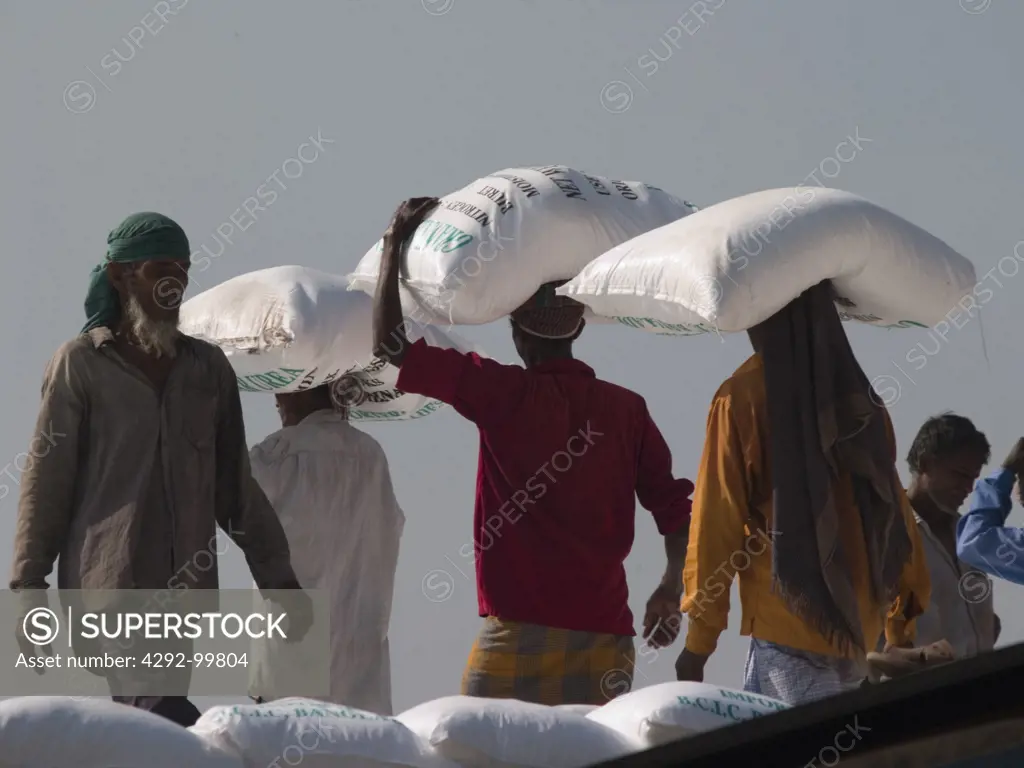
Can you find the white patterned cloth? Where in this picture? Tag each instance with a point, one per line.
(330, 485)
(798, 677)
(960, 610)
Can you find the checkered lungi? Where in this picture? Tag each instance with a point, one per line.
(798, 677)
(545, 665)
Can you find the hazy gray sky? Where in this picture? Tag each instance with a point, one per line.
(416, 98)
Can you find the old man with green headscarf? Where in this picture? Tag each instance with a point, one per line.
(148, 453)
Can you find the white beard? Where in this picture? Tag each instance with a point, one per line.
(154, 337)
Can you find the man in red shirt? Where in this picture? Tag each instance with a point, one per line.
(563, 457)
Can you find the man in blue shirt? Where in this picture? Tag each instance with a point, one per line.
(946, 459)
(983, 538)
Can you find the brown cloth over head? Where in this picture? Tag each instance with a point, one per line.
(824, 418)
(548, 315)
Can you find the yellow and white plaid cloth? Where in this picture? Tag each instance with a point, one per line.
(546, 665)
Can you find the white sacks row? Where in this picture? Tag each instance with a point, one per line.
(62, 732)
(286, 329)
(313, 734)
(490, 245)
(733, 265)
(451, 732)
(473, 732)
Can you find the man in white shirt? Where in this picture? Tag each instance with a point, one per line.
(945, 460)
(330, 486)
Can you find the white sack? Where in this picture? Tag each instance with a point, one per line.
(665, 712)
(61, 732)
(501, 733)
(286, 329)
(313, 734)
(735, 264)
(578, 709)
(490, 245)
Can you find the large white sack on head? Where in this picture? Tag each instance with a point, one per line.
(313, 734)
(61, 732)
(665, 712)
(489, 246)
(286, 329)
(735, 264)
(501, 733)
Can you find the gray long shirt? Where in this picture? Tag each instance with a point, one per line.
(129, 484)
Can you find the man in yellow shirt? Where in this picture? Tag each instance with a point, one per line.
(798, 494)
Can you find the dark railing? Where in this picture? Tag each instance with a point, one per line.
(845, 729)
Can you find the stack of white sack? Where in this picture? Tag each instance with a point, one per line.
(666, 712)
(579, 709)
(287, 329)
(472, 732)
(489, 246)
(735, 264)
(62, 732)
(506, 733)
(313, 734)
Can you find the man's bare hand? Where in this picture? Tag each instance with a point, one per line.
(690, 666)
(1015, 460)
(296, 603)
(33, 602)
(300, 616)
(891, 646)
(408, 217)
(662, 618)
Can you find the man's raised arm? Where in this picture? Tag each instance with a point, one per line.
(983, 538)
(389, 339)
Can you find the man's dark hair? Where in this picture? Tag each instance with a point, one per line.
(947, 434)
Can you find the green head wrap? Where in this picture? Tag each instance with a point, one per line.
(140, 237)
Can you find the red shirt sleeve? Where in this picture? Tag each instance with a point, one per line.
(664, 496)
(476, 387)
